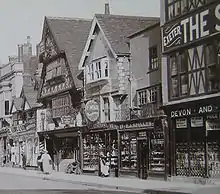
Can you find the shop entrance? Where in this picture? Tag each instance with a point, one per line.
(143, 158)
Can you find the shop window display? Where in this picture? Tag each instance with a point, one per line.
(157, 157)
(128, 151)
(96, 145)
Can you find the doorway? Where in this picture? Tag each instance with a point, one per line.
(143, 158)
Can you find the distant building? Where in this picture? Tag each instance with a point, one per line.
(11, 80)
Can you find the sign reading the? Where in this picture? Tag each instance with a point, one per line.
(92, 110)
(200, 24)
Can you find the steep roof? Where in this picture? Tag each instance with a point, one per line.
(70, 35)
(143, 30)
(117, 27)
(18, 103)
(31, 96)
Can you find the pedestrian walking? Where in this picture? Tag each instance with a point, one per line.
(47, 162)
(13, 159)
(24, 160)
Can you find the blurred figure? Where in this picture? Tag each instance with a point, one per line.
(23, 161)
(39, 162)
(13, 159)
(47, 162)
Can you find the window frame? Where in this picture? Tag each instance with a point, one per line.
(106, 111)
(152, 95)
(7, 103)
(153, 58)
(191, 53)
(97, 70)
(61, 106)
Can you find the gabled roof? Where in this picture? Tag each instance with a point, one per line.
(115, 29)
(30, 95)
(143, 30)
(118, 27)
(70, 35)
(17, 103)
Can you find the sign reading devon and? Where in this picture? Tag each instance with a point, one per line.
(200, 24)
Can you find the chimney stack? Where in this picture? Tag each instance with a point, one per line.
(19, 53)
(28, 39)
(107, 8)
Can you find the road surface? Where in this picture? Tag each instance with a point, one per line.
(9, 183)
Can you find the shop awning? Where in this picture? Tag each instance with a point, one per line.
(64, 132)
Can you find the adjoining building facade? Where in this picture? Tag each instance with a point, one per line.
(62, 44)
(23, 136)
(191, 67)
(116, 111)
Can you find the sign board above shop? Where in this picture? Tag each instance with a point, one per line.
(198, 25)
(191, 111)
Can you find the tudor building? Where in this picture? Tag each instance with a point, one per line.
(191, 67)
(62, 43)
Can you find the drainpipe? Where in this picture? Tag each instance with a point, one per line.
(130, 86)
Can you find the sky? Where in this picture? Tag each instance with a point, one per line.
(22, 18)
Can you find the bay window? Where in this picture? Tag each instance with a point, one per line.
(97, 70)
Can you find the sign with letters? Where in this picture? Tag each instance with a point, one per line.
(197, 25)
(92, 110)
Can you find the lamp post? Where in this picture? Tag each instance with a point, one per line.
(42, 114)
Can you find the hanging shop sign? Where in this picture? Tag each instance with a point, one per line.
(92, 110)
(181, 123)
(198, 25)
(196, 122)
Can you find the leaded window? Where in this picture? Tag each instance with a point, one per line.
(148, 95)
(194, 71)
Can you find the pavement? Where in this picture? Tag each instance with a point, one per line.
(125, 184)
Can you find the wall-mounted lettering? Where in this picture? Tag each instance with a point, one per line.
(200, 24)
(181, 112)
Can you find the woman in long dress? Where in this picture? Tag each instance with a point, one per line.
(46, 160)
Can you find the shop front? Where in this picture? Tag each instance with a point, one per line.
(195, 138)
(142, 148)
(63, 145)
(100, 142)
